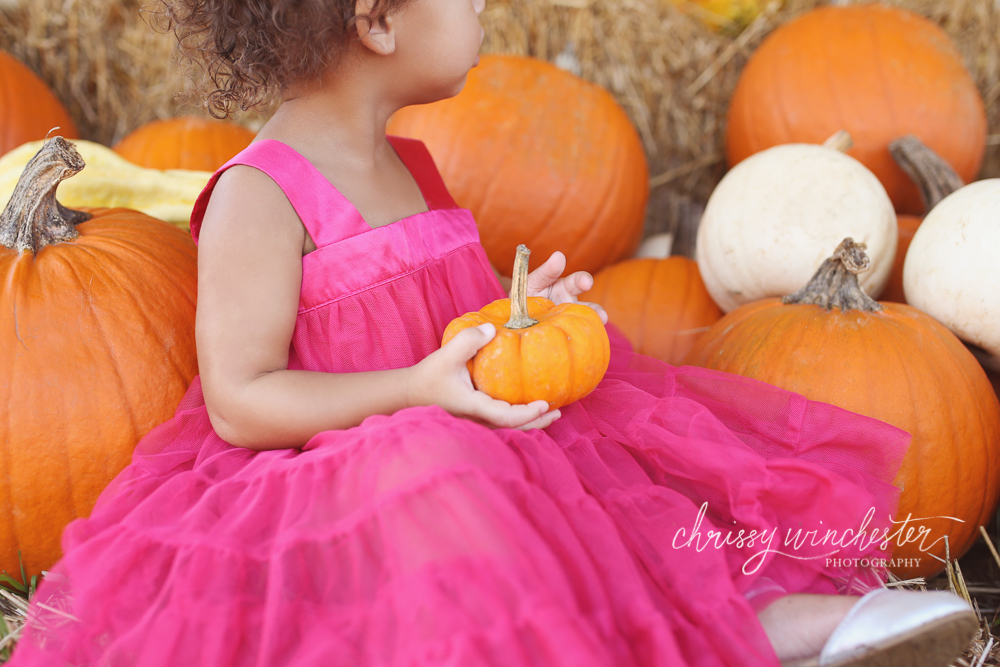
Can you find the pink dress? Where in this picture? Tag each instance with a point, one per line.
(611, 538)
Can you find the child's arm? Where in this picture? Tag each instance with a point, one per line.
(249, 278)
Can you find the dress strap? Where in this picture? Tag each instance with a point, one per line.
(326, 214)
(418, 160)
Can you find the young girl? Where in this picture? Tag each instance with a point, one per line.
(333, 491)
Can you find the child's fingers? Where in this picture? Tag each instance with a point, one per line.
(542, 422)
(570, 287)
(603, 314)
(467, 342)
(549, 272)
(504, 415)
(584, 281)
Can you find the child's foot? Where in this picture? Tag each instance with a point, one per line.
(798, 625)
(885, 628)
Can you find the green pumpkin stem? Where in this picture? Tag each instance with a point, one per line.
(934, 177)
(835, 283)
(519, 292)
(33, 218)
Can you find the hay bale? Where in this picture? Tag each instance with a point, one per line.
(672, 74)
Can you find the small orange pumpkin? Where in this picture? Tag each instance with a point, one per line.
(541, 351)
(661, 305)
(197, 144)
(832, 343)
(29, 110)
(97, 312)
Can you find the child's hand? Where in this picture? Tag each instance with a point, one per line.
(545, 282)
(442, 378)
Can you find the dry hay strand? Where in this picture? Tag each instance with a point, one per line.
(13, 613)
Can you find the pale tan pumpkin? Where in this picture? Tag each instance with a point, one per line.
(772, 220)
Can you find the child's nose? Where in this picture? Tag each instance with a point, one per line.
(479, 5)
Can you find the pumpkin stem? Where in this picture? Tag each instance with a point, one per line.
(519, 292)
(835, 283)
(841, 140)
(933, 175)
(33, 218)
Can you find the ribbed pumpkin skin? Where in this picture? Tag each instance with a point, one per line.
(198, 144)
(900, 366)
(877, 72)
(29, 109)
(661, 305)
(97, 348)
(894, 288)
(540, 157)
(560, 360)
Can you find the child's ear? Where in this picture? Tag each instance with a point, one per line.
(378, 34)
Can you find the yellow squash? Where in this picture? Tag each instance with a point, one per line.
(725, 16)
(112, 181)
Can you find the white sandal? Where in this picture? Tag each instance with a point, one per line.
(897, 628)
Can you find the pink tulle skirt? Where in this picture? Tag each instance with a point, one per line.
(611, 538)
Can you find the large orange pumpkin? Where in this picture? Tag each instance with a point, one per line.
(541, 351)
(539, 156)
(935, 180)
(878, 72)
(97, 347)
(198, 144)
(830, 342)
(29, 110)
(661, 305)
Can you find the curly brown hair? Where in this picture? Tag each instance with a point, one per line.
(252, 50)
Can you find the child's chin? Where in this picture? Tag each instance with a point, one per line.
(458, 87)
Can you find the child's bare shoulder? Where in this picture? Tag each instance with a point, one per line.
(248, 202)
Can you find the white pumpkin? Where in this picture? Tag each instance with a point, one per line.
(777, 215)
(952, 271)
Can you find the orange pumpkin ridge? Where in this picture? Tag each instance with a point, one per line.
(98, 323)
(888, 361)
(541, 351)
